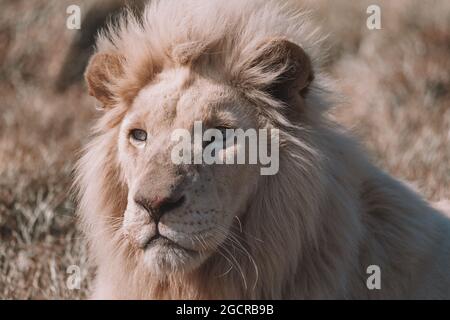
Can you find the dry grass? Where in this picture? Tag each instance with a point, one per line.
(397, 85)
(396, 82)
(40, 133)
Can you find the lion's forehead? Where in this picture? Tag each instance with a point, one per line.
(181, 96)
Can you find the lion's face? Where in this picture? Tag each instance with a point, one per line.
(178, 214)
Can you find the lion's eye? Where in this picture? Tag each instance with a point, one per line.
(138, 135)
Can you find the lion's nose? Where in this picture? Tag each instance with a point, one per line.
(158, 206)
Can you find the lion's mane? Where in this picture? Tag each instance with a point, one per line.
(315, 227)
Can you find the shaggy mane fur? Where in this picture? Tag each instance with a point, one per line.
(315, 227)
(224, 35)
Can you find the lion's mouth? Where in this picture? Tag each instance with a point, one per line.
(162, 241)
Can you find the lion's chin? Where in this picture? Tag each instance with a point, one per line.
(163, 257)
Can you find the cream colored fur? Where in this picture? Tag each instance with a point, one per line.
(309, 232)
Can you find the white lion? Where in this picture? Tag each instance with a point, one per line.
(161, 230)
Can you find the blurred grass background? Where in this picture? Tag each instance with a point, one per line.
(396, 84)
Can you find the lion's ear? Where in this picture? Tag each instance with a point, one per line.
(102, 72)
(289, 63)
